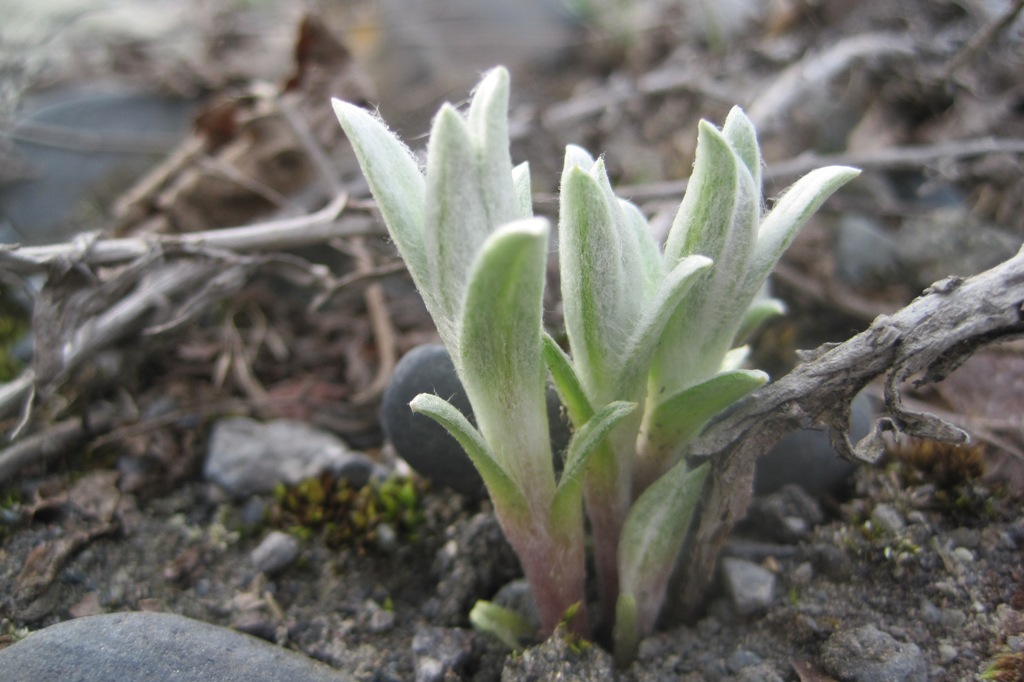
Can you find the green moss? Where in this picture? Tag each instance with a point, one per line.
(345, 516)
(14, 324)
(1007, 668)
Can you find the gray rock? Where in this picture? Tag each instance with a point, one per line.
(557, 659)
(276, 552)
(439, 652)
(865, 252)
(807, 459)
(247, 457)
(742, 658)
(951, 241)
(758, 673)
(866, 654)
(153, 647)
(517, 595)
(786, 515)
(56, 197)
(425, 444)
(751, 587)
(887, 519)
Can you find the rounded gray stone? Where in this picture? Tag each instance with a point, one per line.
(423, 443)
(153, 647)
(751, 587)
(806, 458)
(276, 552)
(866, 654)
(246, 457)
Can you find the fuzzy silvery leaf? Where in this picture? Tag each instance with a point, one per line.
(397, 183)
(651, 540)
(656, 316)
(585, 442)
(677, 419)
(763, 308)
(567, 383)
(791, 211)
(740, 133)
(718, 219)
(499, 484)
(595, 282)
(500, 351)
(524, 189)
(648, 254)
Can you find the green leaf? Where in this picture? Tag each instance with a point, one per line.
(396, 181)
(567, 383)
(722, 225)
(487, 120)
(627, 631)
(652, 538)
(649, 331)
(680, 418)
(508, 626)
(457, 217)
(648, 257)
(740, 133)
(499, 351)
(584, 443)
(592, 281)
(577, 156)
(524, 189)
(705, 215)
(761, 309)
(501, 487)
(791, 211)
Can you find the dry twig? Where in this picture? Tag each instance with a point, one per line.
(930, 337)
(284, 233)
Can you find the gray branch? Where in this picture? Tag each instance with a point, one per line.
(928, 339)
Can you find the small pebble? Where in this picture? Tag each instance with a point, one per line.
(866, 654)
(751, 587)
(742, 658)
(886, 518)
(947, 653)
(964, 555)
(276, 552)
(439, 652)
(247, 457)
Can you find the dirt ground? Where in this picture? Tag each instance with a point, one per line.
(102, 503)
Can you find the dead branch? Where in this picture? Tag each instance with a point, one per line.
(983, 38)
(285, 233)
(929, 338)
(817, 69)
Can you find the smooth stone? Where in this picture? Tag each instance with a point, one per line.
(154, 647)
(54, 201)
(275, 553)
(806, 458)
(951, 241)
(246, 457)
(865, 252)
(440, 653)
(786, 515)
(423, 443)
(887, 519)
(866, 654)
(751, 587)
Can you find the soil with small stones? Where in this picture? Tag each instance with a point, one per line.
(950, 581)
(128, 524)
